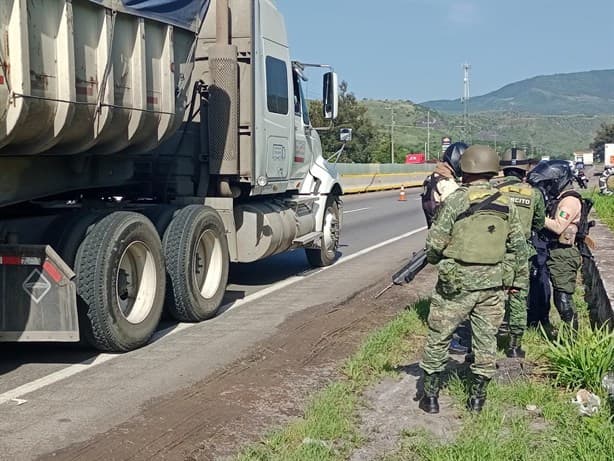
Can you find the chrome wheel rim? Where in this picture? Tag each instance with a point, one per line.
(208, 264)
(136, 282)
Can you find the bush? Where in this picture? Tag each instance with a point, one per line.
(582, 359)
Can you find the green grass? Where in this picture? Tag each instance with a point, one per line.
(328, 429)
(604, 206)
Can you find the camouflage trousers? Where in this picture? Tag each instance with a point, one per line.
(484, 308)
(516, 309)
(563, 264)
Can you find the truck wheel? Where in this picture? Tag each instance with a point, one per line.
(196, 253)
(120, 281)
(326, 254)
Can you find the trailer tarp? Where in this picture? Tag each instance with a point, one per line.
(187, 14)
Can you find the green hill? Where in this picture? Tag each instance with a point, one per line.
(540, 134)
(586, 93)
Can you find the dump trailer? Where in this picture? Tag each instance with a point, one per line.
(143, 147)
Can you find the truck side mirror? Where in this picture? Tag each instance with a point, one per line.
(345, 134)
(331, 96)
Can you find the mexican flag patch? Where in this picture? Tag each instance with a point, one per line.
(563, 214)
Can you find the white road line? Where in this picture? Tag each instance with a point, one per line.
(356, 211)
(72, 370)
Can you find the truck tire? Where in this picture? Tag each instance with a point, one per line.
(120, 282)
(196, 254)
(326, 254)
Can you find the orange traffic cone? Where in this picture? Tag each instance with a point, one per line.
(402, 197)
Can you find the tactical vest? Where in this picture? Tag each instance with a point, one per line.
(479, 237)
(521, 195)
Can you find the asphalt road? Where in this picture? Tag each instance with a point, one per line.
(54, 395)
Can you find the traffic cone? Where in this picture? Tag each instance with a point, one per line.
(402, 197)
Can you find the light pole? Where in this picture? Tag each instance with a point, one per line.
(391, 134)
(428, 134)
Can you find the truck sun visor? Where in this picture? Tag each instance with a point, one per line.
(187, 14)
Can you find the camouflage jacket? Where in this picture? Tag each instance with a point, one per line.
(511, 272)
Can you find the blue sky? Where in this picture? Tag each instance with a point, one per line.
(414, 49)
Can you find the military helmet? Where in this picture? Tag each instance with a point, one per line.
(479, 159)
(514, 158)
(452, 156)
(551, 175)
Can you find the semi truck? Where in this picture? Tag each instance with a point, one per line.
(144, 146)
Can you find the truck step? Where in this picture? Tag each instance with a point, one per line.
(300, 200)
(308, 238)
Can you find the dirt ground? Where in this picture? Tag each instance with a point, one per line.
(240, 403)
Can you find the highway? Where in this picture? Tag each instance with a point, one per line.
(53, 396)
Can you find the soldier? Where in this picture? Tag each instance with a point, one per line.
(564, 214)
(474, 230)
(443, 181)
(436, 188)
(532, 211)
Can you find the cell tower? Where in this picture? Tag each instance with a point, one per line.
(465, 101)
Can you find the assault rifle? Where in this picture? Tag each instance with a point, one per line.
(584, 226)
(408, 272)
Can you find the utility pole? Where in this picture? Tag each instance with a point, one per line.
(465, 101)
(495, 141)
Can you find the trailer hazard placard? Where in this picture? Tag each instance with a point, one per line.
(36, 286)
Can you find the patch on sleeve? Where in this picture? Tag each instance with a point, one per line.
(563, 214)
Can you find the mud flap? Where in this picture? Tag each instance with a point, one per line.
(38, 300)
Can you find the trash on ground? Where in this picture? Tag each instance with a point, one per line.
(588, 403)
(310, 441)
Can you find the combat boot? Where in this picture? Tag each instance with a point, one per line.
(430, 399)
(514, 350)
(564, 304)
(477, 396)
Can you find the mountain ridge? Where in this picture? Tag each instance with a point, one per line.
(576, 93)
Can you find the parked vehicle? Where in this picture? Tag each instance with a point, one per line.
(140, 153)
(415, 158)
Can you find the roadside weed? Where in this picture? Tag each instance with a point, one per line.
(582, 359)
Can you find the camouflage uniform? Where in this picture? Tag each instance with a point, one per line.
(532, 217)
(469, 290)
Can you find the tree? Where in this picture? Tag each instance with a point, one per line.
(367, 145)
(604, 135)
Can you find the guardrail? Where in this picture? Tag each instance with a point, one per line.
(361, 177)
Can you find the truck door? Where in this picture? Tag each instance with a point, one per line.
(277, 118)
(303, 141)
